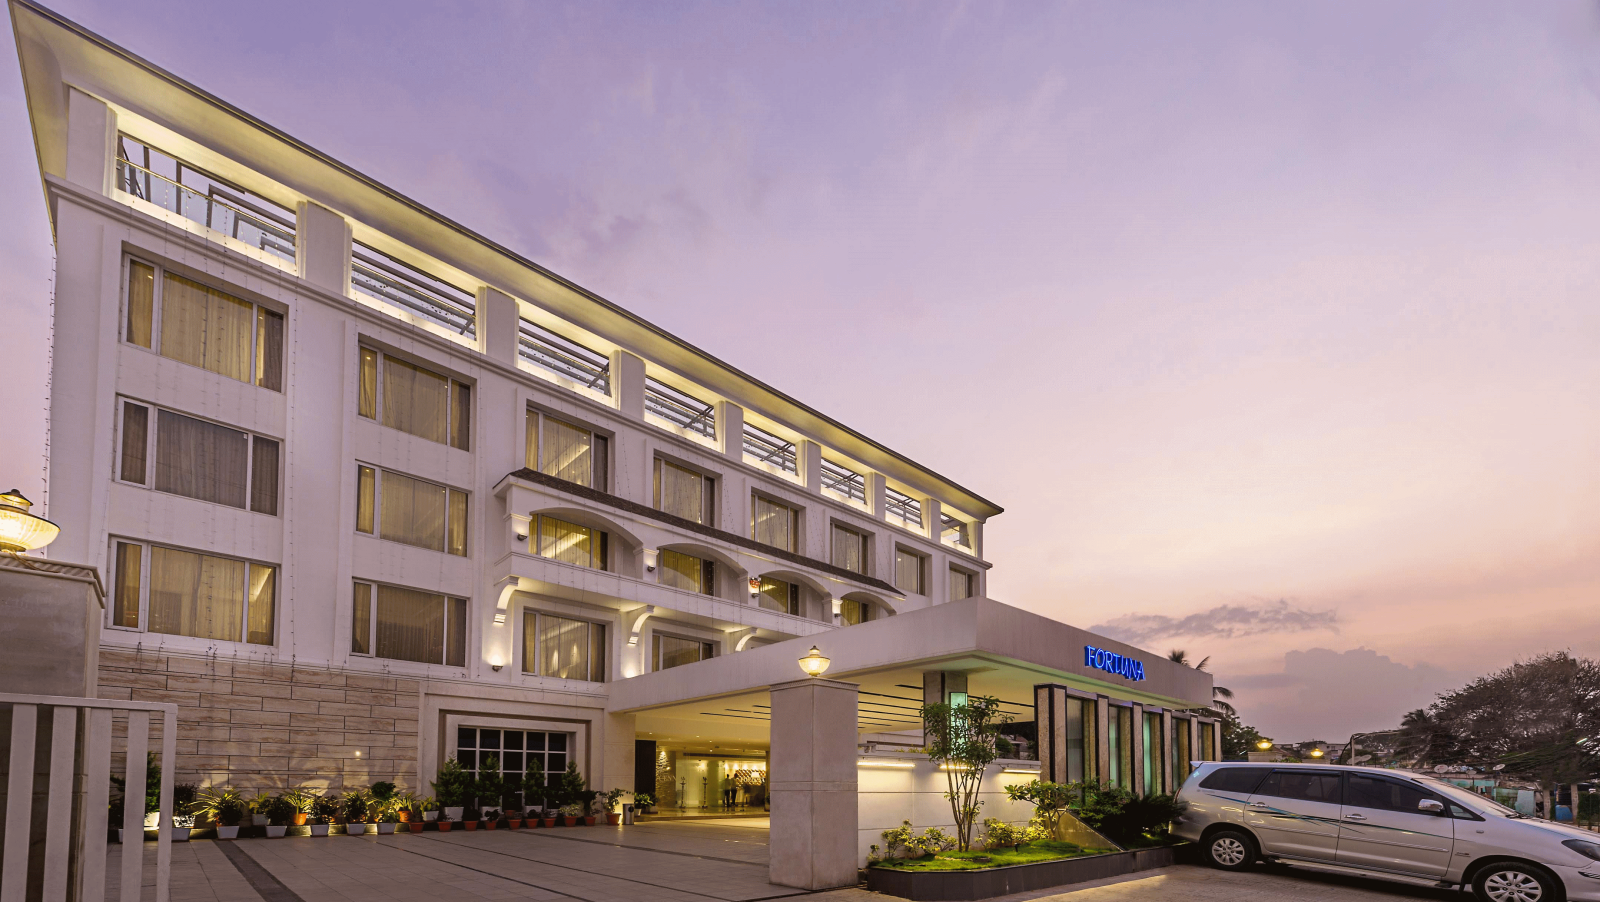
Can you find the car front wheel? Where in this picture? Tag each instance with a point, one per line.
(1513, 881)
(1231, 850)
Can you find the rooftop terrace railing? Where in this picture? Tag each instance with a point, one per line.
(377, 275)
(954, 531)
(903, 507)
(764, 447)
(564, 357)
(679, 408)
(198, 196)
(844, 481)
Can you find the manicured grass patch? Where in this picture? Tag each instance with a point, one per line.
(1047, 850)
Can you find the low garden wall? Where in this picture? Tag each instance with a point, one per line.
(991, 882)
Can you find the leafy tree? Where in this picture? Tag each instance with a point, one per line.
(1049, 800)
(454, 784)
(1221, 696)
(490, 786)
(962, 739)
(1238, 738)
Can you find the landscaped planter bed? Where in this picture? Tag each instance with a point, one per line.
(986, 883)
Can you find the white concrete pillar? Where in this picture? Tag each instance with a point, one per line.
(932, 523)
(876, 499)
(808, 456)
(498, 325)
(322, 247)
(627, 383)
(730, 429)
(815, 816)
(91, 141)
(616, 770)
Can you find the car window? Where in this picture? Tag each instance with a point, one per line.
(1366, 791)
(1242, 780)
(1307, 785)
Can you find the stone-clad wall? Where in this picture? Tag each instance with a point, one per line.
(258, 726)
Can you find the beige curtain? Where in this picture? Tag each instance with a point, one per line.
(141, 302)
(567, 542)
(130, 564)
(410, 625)
(361, 621)
(264, 476)
(773, 595)
(680, 492)
(531, 437)
(853, 612)
(206, 328)
(848, 550)
(960, 585)
(368, 401)
(269, 349)
(415, 400)
(774, 524)
(135, 441)
(670, 651)
(263, 589)
(200, 460)
(564, 647)
(413, 511)
(907, 572)
(530, 642)
(568, 452)
(196, 595)
(461, 416)
(365, 478)
(682, 571)
(458, 524)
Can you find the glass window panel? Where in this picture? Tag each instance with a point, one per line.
(415, 400)
(1235, 779)
(468, 758)
(466, 738)
(671, 651)
(511, 762)
(568, 452)
(141, 302)
(557, 743)
(597, 653)
(413, 511)
(263, 587)
(130, 567)
(458, 524)
(1367, 791)
(461, 417)
(367, 400)
(269, 349)
(200, 460)
(555, 763)
(1304, 785)
(848, 549)
(513, 740)
(264, 476)
(680, 492)
(458, 633)
(682, 571)
(489, 739)
(196, 595)
(774, 523)
(365, 479)
(530, 642)
(530, 431)
(361, 621)
(908, 572)
(567, 542)
(207, 328)
(960, 584)
(410, 625)
(773, 595)
(535, 742)
(135, 441)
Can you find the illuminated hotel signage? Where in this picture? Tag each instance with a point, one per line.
(1111, 662)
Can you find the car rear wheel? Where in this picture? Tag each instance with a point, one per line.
(1513, 881)
(1231, 850)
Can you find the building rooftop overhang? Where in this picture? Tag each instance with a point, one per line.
(56, 54)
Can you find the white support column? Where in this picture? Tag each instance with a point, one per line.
(498, 325)
(730, 430)
(809, 456)
(322, 247)
(91, 141)
(932, 524)
(815, 814)
(627, 383)
(876, 499)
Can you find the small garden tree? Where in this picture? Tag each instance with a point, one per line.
(1049, 800)
(962, 738)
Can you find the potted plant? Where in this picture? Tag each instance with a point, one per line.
(513, 819)
(491, 818)
(469, 818)
(612, 799)
(644, 803)
(570, 814)
(384, 802)
(533, 794)
(183, 798)
(259, 803)
(430, 809)
(355, 802)
(569, 791)
(114, 814)
(490, 785)
(323, 812)
(452, 788)
(443, 821)
(224, 808)
(152, 791)
(302, 800)
(412, 815)
(279, 812)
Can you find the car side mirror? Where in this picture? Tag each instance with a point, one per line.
(1430, 806)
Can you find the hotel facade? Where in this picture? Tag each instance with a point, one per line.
(368, 491)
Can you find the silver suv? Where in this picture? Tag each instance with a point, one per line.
(1384, 821)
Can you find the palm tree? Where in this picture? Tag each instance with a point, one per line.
(1219, 694)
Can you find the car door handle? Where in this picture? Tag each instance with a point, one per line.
(1355, 817)
(1259, 805)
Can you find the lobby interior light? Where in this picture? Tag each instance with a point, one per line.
(19, 530)
(815, 663)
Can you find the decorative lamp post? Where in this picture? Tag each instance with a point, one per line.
(21, 531)
(814, 663)
(1316, 753)
(1263, 744)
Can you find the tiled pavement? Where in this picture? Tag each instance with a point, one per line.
(681, 861)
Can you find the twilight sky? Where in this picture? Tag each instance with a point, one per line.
(1273, 326)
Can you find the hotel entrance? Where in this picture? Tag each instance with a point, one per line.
(703, 781)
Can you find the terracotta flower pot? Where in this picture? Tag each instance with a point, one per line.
(416, 826)
(469, 825)
(588, 820)
(490, 825)
(548, 821)
(405, 816)
(569, 821)
(299, 819)
(444, 826)
(513, 823)
(613, 819)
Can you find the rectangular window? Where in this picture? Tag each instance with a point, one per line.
(185, 593)
(1119, 740)
(685, 493)
(853, 612)
(908, 572)
(844, 482)
(571, 543)
(563, 357)
(1153, 755)
(516, 752)
(566, 451)
(1180, 750)
(679, 408)
(687, 572)
(196, 324)
(955, 532)
(849, 549)
(409, 625)
(763, 447)
(1208, 737)
(773, 523)
(902, 509)
(199, 196)
(563, 647)
(411, 511)
(414, 400)
(199, 459)
(780, 596)
(673, 651)
(403, 287)
(962, 584)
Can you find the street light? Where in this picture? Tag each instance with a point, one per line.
(1263, 744)
(814, 663)
(19, 530)
(1316, 753)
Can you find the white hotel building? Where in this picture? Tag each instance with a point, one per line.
(368, 490)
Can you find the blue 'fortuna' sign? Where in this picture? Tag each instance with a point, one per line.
(1111, 662)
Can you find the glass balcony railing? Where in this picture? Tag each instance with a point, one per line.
(380, 276)
(679, 408)
(564, 357)
(764, 447)
(198, 196)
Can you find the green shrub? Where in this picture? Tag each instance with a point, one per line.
(454, 784)
(1125, 819)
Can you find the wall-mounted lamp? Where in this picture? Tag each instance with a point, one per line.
(496, 667)
(20, 530)
(884, 762)
(522, 537)
(815, 663)
(1031, 771)
(650, 555)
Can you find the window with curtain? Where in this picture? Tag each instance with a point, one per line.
(685, 493)
(849, 549)
(183, 320)
(400, 508)
(674, 651)
(687, 572)
(414, 399)
(962, 584)
(853, 612)
(572, 543)
(408, 625)
(198, 459)
(778, 595)
(908, 572)
(773, 523)
(567, 451)
(186, 593)
(563, 647)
